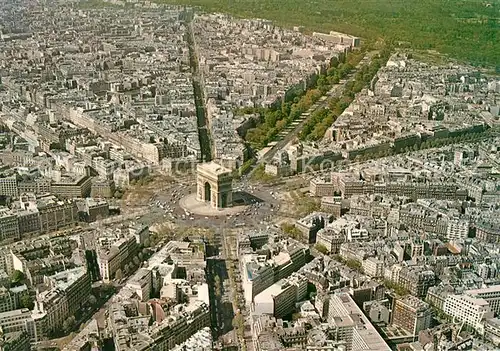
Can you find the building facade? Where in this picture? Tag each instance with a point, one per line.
(412, 314)
(472, 311)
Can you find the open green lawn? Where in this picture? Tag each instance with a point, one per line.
(467, 30)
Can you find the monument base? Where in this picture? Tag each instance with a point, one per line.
(191, 204)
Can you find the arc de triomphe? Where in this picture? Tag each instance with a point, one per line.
(214, 185)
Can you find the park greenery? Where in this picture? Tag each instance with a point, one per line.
(246, 167)
(398, 288)
(298, 100)
(69, 324)
(321, 248)
(351, 263)
(466, 30)
(259, 175)
(291, 230)
(321, 119)
(16, 277)
(239, 326)
(27, 301)
(304, 204)
(217, 287)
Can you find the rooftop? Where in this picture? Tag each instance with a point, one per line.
(213, 168)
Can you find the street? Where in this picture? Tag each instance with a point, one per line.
(335, 91)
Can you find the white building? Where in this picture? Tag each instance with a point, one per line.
(280, 298)
(470, 310)
(373, 267)
(343, 311)
(200, 341)
(141, 283)
(18, 320)
(490, 295)
(354, 234)
(457, 229)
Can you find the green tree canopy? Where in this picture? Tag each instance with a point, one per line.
(17, 276)
(26, 301)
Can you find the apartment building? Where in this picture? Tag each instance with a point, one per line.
(18, 321)
(349, 184)
(417, 280)
(50, 312)
(17, 341)
(261, 272)
(102, 188)
(71, 187)
(10, 298)
(423, 219)
(457, 229)
(490, 294)
(470, 310)
(280, 298)
(373, 267)
(183, 253)
(45, 213)
(182, 322)
(353, 251)
(7, 301)
(364, 335)
(331, 239)
(411, 314)
(75, 284)
(55, 214)
(9, 225)
(332, 205)
(321, 187)
(37, 186)
(416, 249)
(488, 232)
(185, 322)
(93, 209)
(141, 283)
(258, 275)
(104, 167)
(113, 258)
(132, 172)
(29, 221)
(436, 295)
(492, 331)
(59, 132)
(311, 224)
(68, 291)
(8, 186)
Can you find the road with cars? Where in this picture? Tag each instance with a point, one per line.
(261, 205)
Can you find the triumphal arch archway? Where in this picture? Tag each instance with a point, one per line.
(214, 185)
